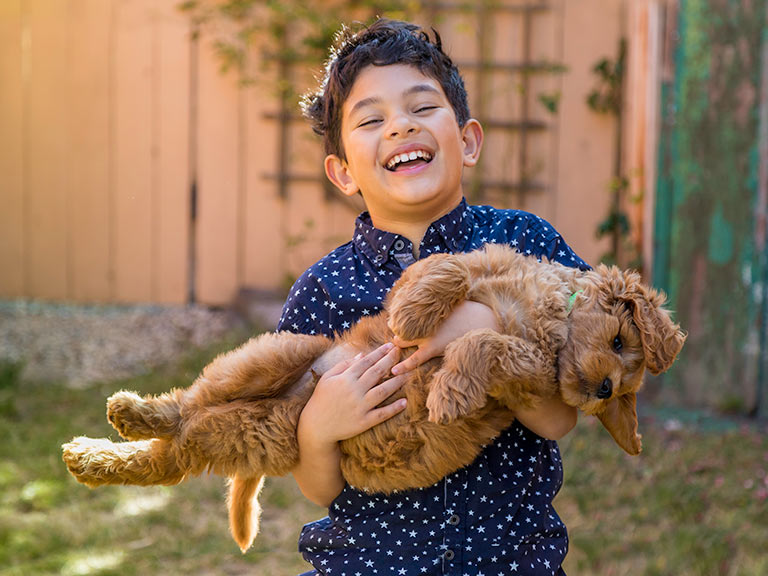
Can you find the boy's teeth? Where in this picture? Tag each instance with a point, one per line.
(407, 157)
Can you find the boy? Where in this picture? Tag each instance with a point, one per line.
(394, 116)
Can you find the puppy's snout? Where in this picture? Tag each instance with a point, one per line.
(606, 389)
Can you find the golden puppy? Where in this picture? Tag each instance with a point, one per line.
(587, 336)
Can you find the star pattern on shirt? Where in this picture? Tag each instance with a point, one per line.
(493, 517)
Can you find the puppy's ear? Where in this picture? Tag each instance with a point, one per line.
(620, 419)
(662, 338)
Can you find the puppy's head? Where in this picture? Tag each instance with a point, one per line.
(618, 328)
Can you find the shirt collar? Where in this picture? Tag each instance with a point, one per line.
(450, 232)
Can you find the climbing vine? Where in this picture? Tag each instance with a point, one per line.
(606, 98)
(287, 31)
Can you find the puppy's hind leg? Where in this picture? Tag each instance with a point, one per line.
(137, 418)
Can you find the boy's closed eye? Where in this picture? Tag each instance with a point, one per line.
(369, 122)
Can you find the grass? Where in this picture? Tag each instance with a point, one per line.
(694, 503)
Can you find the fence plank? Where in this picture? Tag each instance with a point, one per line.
(132, 177)
(218, 172)
(586, 139)
(46, 150)
(264, 248)
(172, 162)
(88, 98)
(12, 61)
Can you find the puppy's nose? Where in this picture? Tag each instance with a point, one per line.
(606, 389)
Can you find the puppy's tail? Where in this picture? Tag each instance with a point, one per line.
(244, 509)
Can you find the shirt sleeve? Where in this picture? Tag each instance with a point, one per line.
(306, 309)
(546, 242)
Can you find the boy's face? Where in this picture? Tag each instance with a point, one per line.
(393, 111)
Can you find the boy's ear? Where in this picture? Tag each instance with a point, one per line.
(472, 136)
(338, 173)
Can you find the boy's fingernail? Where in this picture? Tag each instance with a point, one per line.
(395, 370)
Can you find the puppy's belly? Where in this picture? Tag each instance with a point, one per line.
(407, 451)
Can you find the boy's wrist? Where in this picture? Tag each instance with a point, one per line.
(309, 438)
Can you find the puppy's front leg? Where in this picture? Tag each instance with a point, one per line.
(426, 294)
(98, 461)
(486, 363)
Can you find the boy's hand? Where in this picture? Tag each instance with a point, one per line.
(346, 399)
(467, 316)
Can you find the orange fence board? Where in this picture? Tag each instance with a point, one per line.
(46, 183)
(172, 171)
(219, 191)
(12, 62)
(88, 103)
(134, 231)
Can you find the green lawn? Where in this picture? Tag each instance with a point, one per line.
(693, 503)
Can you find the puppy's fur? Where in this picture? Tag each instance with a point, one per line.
(587, 336)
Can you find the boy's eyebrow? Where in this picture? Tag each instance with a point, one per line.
(415, 89)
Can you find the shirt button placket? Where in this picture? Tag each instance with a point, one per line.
(455, 525)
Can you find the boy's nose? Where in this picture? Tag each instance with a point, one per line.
(401, 126)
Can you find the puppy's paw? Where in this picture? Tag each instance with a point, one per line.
(83, 460)
(125, 411)
(441, 411)
(452, 396)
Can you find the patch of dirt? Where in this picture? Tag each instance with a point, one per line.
(84, 344)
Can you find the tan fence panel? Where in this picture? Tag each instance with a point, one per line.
(135, 219)
(12, 62)
(218, 171)
(107, 119)
(47, 242)
(587, 140)
(88, 131)
(263, 248)
(172, 170)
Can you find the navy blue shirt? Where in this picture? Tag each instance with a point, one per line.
(492, 517)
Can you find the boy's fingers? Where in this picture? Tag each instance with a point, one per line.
(338, 368)
(385, 412)
(374, 374)
(413, 361)
(378, 394)
(362, 363)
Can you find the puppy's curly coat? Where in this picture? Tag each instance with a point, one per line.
(588, 336)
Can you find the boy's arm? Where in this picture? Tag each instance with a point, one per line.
(551, 419)
(343, 404)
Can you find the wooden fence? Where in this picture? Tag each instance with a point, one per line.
(134, 171)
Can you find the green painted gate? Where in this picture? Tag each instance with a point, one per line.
(710, 232)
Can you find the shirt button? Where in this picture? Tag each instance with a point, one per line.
(453, 520)
(379, 258)
(399, 244)
(448, 555)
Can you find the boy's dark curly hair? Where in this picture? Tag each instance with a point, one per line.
(383, 43)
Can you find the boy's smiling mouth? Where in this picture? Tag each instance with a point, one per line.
(407, 159)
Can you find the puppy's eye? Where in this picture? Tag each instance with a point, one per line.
(617, 344)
